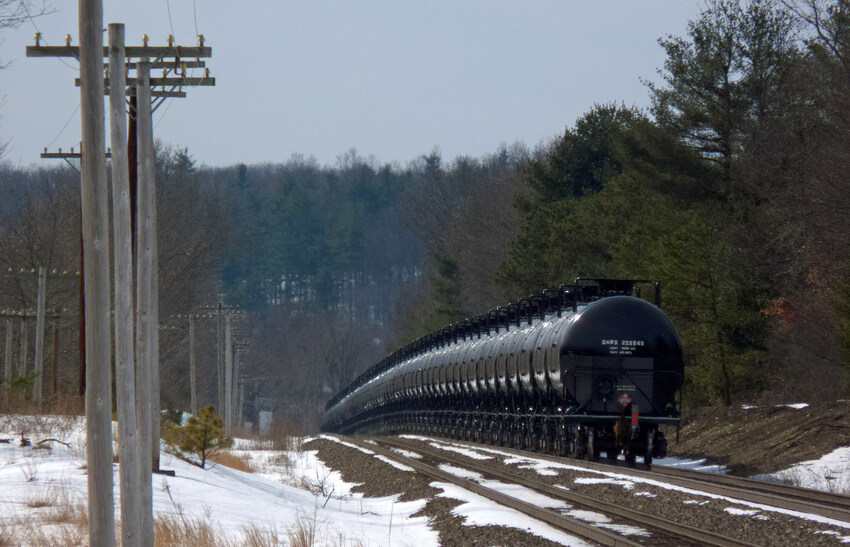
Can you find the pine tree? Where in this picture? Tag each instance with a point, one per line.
(203, 435)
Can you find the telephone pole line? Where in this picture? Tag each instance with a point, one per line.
(96, 250)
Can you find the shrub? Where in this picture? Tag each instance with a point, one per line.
(202, 435)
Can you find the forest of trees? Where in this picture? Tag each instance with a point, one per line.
(731, 189)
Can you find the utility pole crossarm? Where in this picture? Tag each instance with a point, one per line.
(153, 52)
(173, 81)
(66, 155)
(176, 63)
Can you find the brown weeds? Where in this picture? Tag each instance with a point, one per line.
(240, 462)
(175, 530)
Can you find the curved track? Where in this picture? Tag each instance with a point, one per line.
(827, 504)
(665, 532)
(834, 506)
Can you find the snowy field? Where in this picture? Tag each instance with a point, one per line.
(292, 496)
(289, 495)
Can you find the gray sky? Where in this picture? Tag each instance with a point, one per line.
(393, 79)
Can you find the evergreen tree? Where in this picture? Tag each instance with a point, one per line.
(554, 243)
(203, 435)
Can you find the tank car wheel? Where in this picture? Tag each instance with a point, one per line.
(631, 457)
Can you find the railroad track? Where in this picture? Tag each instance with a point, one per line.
(803, 500)
(666, 532)
(828, 504)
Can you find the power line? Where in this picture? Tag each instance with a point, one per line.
(64, 127)
(170, 22)
(195, 13)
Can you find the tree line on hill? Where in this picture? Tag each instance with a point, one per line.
(731, 190)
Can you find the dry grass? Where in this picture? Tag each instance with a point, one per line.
(281, 437)
(240, 462)
(254, 536)
(55, 520)
(188, 532)
(30, 470)
(43, 498)
(302, 533)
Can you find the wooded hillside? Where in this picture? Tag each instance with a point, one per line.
(732, 190)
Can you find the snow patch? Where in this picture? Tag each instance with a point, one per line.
(348, 444)
(460, 472)
(743, 512)
(828, 474)
(661, 484)
(479, 511)
(398, 465)
(469, 453)
(407, 453)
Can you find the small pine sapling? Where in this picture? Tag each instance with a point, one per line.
(202, 435)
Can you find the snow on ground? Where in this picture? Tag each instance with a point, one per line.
(830, 473)
(635, 485)
(479, 511)
(292, 489)
(33, 482)
(795, 406)
(530, 496)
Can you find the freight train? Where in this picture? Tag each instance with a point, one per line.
(587, 368)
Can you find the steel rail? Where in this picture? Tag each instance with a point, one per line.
(805, 494)
(779, 496)
(548, 516)
(668, 526)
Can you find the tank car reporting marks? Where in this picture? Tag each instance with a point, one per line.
(621, 347)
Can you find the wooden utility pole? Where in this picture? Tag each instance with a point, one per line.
(95, 220)
(54, 362)
(220, 366)
(147, 335)
(192, 387)
(228, 388)
(146, 321)
(8, 351)
(41, 315)
(22, 362)
(39, 335)
(129, 472)
(241, 402)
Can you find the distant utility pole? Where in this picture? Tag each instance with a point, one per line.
(54, 365)
(41, 274)
(8, 351)
(22, 362)
(240, 346)
(193, 395)
(39, 334)
(228, 401)
(220, 311)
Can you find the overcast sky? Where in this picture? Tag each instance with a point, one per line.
(393, 79)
